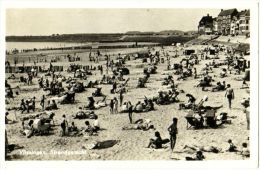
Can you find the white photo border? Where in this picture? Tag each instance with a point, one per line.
(253, 162)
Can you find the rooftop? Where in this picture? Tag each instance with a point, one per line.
(227, 12)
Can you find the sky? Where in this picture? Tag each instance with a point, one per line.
(70, 21)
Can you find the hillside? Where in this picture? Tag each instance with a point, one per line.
(164, 37)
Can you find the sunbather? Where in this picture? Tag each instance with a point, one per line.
(140, 125)
(198, 157)
(157, 142)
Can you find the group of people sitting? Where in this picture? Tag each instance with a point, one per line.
(219, 87)
(51, 105)
(84, 114)
(168, 81)
(76, 86)
(106, 79)
(55, 86)
(142, 81)
(205, 82)
(39, 126)
(145, 106)
(27, 105)
(167, 97)
(88, 130)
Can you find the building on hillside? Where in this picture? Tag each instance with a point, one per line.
(244, 22)
(224, 19)
(206, 25)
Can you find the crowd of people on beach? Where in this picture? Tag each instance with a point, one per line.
(63, 90)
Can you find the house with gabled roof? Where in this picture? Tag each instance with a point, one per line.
(244, 22)
(205, 25)
(224, 19)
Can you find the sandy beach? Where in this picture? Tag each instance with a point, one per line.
(131, 144)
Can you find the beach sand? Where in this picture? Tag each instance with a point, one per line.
(132, 144)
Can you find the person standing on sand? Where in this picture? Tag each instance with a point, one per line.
(115, 105)
(130, 112)
(195, 73)
(230, 95)
(64, 125)
(173, 131)
(121, 97)
(114, 87)
(96, 125)
(42, 102)
(111, 106)
(101, 70)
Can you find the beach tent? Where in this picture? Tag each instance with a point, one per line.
(143, 54)
(189, 51)
(212, 51)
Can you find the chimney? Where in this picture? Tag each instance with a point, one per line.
(207, 14)
(221, 10)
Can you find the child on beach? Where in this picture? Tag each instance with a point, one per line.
(232, 147)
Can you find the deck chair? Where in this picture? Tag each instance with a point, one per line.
(192, 122)
(210, 118)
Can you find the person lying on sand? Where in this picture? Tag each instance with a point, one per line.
(157, 142)
(195, 148)
(222, 118)
(92, 104)
(200, 106)
(100, 103)
(140, 124)
(84, 114)
(219, 87)
(198, 157)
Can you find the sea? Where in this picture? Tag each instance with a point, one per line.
(10, 46)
